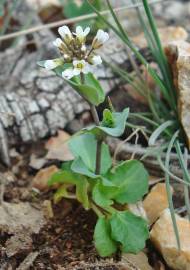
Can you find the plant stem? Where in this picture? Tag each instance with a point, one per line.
(98, 157)
(94, 114)
(97, 122)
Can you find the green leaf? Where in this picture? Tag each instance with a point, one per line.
(108, 119)
(130, 230)
(81, 183)
(82, 192)
(104, 244)
(102, 193)
(91, 90)
(78, 166)
(84, 146)
(61, 193)
(119, 120)
(132, 179)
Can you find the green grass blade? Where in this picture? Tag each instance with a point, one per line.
(182, 162)
(169, 193)
(186, 188)
(186, 176)
(126, 40)
(158, 131)
(164, 63)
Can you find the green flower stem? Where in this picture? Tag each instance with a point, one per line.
(94, 114)
(97, 122)
(98, 156)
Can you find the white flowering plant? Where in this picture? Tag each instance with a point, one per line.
(105, 188)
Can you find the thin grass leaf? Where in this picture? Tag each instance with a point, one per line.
(163, 62)
(186, 188)
(144, 118)
(158, 131)
(173, 176)
(126, 40)
(169, 194)
(182, 162)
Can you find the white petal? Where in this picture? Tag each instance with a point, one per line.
(51, 64)
(57, 42)
(75, 63)
(102, 36)
(86, 31)
(76, 71)
(96, 60)
(83, 62)
(64, 30)
(86, 69)
(79, 30)
(106, 37)
(67, 74)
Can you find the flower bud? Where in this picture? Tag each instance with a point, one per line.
(100, 38)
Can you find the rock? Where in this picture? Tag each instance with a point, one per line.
(20, 217)
(37, 163)
(178, 54)
(21, 243)
(28, 261)
(167, 35)
(175, 10)
(40, 181)
(58, 147)
(139, 260)
(155, 202)
(163, 237)
(137, 209)
(47, 209)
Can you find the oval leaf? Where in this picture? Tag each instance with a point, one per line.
(91, 90)
(132, 179)
(85, 146)
(130, 230)
(102, 238)
(117, 130)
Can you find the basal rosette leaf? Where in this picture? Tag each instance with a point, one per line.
(104, 244)
(129, 230)
(117, 127)
(81, 183)
(84, 146)
(103, 192)
(131, 178)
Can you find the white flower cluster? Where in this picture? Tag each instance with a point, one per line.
(73, 51)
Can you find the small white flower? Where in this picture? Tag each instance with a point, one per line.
(96, 60)
(65, 33)
(100, 38)
(51, 64)
(68, 74)
(81, 34)
(58, 42)
(80, 66)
